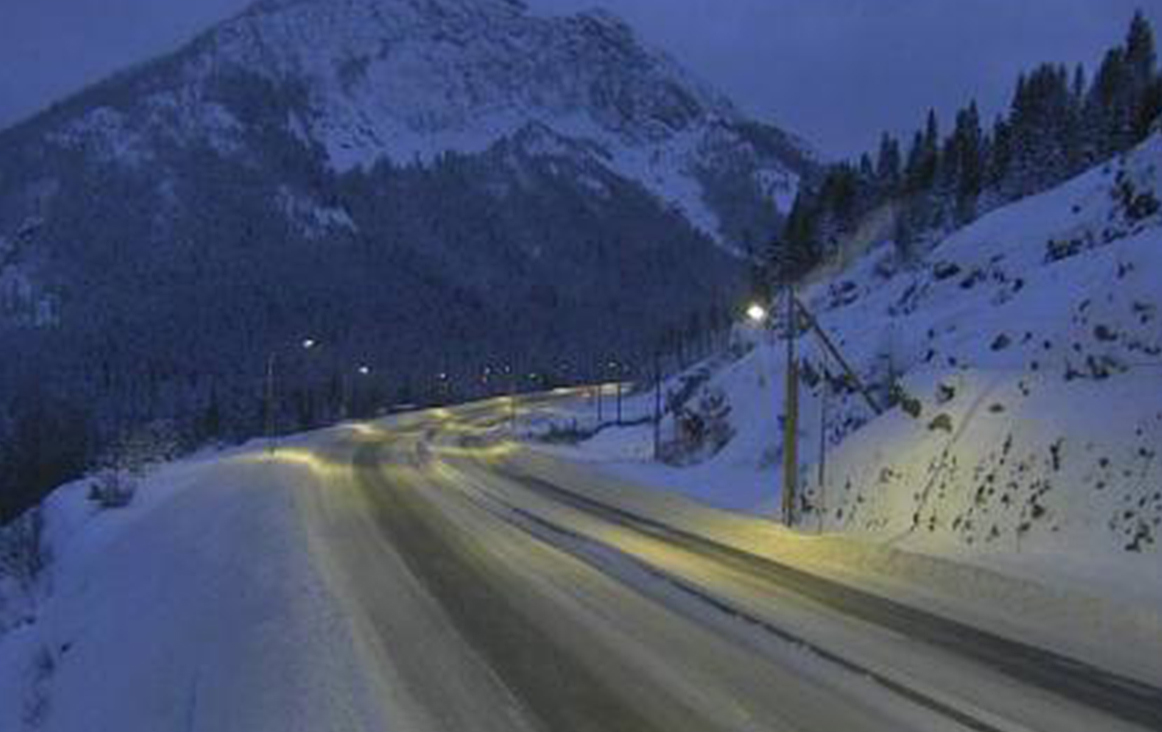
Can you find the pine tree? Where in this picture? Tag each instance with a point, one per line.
(1141, 63)
(1141, 57)
(913, 175)
(888, 166)
(1108, 107)
(799, 249)
(931, 160)
(968, 162)
(1039, 116)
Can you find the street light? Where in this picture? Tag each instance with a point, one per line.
(271, 361)
(363, 370)
(756, 313)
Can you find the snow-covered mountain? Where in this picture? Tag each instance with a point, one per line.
(432, 186)
(414, 79)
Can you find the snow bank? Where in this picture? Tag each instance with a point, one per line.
(196, 607)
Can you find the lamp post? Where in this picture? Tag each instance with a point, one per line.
(361, 374)
(617, 375)
(307, 344)
(759, 315)
(657, 406)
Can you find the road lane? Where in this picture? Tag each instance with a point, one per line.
(479, 625)
(1122, 697)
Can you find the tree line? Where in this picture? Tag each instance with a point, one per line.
(1059, 123)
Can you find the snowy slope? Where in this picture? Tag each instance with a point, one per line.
(1031, 345)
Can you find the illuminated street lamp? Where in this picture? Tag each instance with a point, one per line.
(363, 371)
(271, 362)
(757, 314)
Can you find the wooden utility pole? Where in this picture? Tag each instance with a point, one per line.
(791, 420)
(619, 422)
(657, 406)
(512, 390)
(600, 414)
(822, 507)
(270, 445)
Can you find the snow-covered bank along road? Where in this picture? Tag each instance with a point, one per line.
(197, 607)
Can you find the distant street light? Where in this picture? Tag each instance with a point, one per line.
(271, 362)
(362, 370)
(756, 313)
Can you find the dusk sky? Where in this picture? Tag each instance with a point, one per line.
(836, 72)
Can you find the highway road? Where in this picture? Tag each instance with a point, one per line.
(491, 589)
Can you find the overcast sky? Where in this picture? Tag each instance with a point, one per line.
(836, 72)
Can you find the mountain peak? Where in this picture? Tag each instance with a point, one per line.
(361, 81)
(400, 68)
(427, 7)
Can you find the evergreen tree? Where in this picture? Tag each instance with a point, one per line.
(1141, 63)
(1108, 108)
(1040, 117)
(913, 175)
(888, 166)
(799, 250)
(931, 160)
(1141, 57)
(968, 162)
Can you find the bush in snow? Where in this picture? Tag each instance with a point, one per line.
(123, 464)
(22, 552)
(23, 556)
(700, 431)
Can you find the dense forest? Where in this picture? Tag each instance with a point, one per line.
(156, 308)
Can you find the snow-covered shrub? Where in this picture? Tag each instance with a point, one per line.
(121, 467)
(23, 556)
(569, 433)
(112, 488)
(700, 431)
(22, 552)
